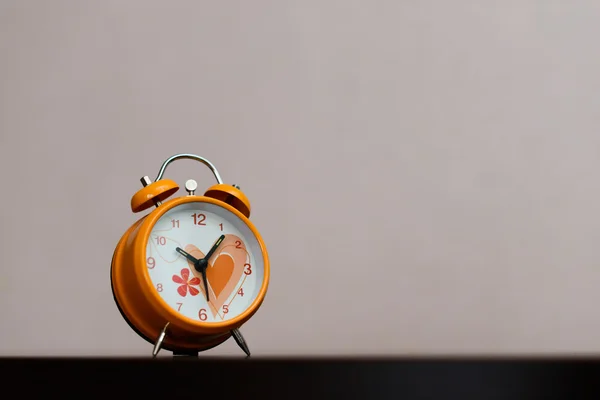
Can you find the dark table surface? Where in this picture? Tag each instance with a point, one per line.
(307, 378)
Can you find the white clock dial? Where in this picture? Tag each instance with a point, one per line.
(235, 272)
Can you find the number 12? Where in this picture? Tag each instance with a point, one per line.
(199, 219)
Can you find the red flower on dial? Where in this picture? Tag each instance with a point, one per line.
(186, 283)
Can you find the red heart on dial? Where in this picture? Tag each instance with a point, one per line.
(224, 271)
(219, 274)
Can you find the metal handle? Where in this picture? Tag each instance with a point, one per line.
(191, 157)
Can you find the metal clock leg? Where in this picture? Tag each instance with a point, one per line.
(239, 339)
(159, 341)
(235, 333)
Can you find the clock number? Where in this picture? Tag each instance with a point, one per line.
(151, 262)
(202, 314)
(199, 219)
(221, 225)
(161, 240)
(238, 244)
(175, 223)
(159, 287)
(241, 292)
(247, 269)
(179, 306)
(225, 308)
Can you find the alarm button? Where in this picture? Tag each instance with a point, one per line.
(191, 186)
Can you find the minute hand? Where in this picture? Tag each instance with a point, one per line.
(203, 263)
(214, 248)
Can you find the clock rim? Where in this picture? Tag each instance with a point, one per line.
(186, 323)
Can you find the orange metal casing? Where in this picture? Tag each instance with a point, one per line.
(142, 305)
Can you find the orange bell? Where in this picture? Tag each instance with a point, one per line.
(231, 195)
(152, 193)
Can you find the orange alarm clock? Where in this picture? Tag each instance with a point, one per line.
(187, 275)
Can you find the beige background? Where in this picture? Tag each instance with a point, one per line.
(425, 173)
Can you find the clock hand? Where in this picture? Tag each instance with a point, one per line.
(203, 263)
(214, 248)
(205, 283)
(199, 265)
(187, 255)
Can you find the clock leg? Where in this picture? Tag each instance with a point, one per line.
(237, 336)
(159, 341)
(239, 339)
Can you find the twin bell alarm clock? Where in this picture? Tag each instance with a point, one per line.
(188, 274)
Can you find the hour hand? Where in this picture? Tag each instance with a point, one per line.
(187, 255)
(200, 266)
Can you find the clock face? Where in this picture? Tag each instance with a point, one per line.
(234, 273)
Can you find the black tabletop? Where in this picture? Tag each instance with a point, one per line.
(307, 378)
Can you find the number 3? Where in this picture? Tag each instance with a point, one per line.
(247, 269)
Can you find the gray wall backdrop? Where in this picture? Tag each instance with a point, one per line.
(425, 173)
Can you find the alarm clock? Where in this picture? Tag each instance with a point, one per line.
(188, 274)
